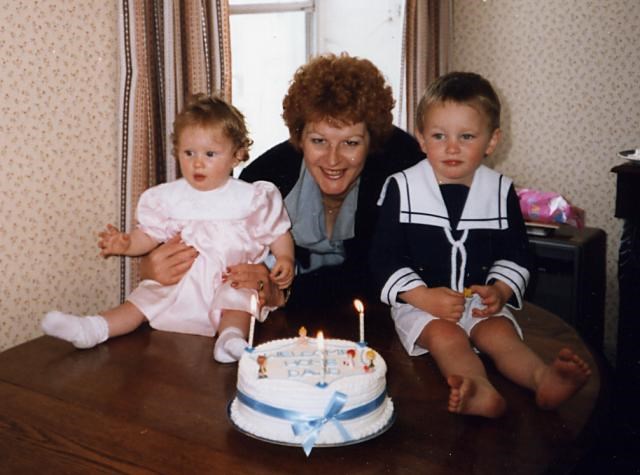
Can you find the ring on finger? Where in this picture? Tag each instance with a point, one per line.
(260, 285)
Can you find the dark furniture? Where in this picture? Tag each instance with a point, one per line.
(569, 278)
(628, 209)
(626, 420)
(156, 402)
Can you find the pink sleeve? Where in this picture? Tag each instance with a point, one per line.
(269, 220)
(152, 219)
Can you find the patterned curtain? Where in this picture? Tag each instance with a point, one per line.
(427, 31)
(168, 50)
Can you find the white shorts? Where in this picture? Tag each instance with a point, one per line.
(410, 322)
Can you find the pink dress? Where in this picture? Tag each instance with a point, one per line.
(230, 225)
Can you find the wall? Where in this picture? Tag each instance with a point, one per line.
(568, 71)
(569, 75)
(58, 176)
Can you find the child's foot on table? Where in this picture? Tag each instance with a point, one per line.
(478, 398)
(561, 379)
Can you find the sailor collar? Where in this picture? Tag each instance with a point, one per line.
(421, 201)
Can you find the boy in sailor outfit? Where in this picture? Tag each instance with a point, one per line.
(451, 226)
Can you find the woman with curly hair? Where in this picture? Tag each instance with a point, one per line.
(342, 145)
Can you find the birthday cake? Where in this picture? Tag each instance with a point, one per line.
(293, 392)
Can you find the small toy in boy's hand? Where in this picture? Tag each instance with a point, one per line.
(468, 293)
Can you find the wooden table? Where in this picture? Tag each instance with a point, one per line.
(155, 402)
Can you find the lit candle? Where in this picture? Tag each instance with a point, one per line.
(323, 362)
(357, 303)
(252, 324)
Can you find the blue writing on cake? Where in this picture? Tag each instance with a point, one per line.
(301, 373)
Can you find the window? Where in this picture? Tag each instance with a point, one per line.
(270, 40)
(367, 29)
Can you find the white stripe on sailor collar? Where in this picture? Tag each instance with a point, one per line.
(421, 201)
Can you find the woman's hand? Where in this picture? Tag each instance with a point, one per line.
(256, 276)
(169, 262)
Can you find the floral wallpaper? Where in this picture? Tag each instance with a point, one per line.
(568, 72)
(58, 176)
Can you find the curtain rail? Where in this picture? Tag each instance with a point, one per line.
(306, 6)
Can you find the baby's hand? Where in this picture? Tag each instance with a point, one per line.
(282, 273)
(113, 242)
(493, 299)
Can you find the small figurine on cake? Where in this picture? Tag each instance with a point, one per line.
(351, 354)
(455, 289)
(302, 335)
(262, 366)
(370, 356)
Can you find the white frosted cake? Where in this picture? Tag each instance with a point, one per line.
(285, 396)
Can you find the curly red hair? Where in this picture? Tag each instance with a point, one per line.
(343, 89)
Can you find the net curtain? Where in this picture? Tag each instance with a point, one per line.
(168, 49)
(427, 32)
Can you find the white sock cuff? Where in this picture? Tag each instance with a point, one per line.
(231, 331)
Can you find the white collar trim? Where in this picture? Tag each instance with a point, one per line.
(421, 201)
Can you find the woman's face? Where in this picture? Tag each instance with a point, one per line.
(335, 154)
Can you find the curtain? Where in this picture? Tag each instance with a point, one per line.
(168, 49)
(427, 32)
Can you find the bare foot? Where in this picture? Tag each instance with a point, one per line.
(561, 379)
(480, 398)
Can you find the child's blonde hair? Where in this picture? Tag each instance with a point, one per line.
(462, 88)
(209, 111)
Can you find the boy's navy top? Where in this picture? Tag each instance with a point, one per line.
(449, 235)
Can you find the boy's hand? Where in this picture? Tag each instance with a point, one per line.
(494, 297)
(112, 242)
(440, 302)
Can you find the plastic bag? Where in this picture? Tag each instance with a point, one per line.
(549, 208)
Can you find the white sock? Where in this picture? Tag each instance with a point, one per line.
(83, 332)
(229, 346)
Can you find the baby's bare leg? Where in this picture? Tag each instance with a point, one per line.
(123, 319)
(470, 390)
(553, 384)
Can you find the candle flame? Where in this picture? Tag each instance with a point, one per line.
(320, 339)
(357, 303)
